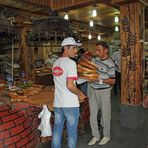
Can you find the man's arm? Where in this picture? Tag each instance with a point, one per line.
(109, 81)
(72, 87)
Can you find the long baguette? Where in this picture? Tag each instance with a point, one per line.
(82, 69)
(92, 64)
(86, 78)
(88, 64)
(94, 75)
(89, 77)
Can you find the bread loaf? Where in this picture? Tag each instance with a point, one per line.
(82, 69)
(90, 77)
(88, 64)
(87, 70)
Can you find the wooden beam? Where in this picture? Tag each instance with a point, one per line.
(26, 8)
(123, 2)
(67, 5)
(144, 2)
(25, 16)
(38, 2)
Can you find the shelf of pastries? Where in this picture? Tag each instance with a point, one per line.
(42, 71)
(36, 95)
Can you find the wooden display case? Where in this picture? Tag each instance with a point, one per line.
(43, 76)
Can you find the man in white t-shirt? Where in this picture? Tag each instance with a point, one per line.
(51, 59)
(67, 95)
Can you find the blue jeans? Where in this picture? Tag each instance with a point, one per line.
(71, 116)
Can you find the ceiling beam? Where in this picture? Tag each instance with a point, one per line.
(144, 2)
(123, 2)
(66, 5)
(25, 7)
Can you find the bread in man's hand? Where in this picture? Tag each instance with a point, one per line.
(88, 76)
(82, 69)
(88, 64)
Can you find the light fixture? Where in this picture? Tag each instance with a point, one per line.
(94, 13)
(91, 23)
(89, 36)
(116, 28)
(66, 17)
(116, 19)
(99, 37)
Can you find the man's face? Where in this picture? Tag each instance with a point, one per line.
(101, 51)
(72, 51)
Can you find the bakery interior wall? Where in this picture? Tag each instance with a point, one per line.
(41, 52)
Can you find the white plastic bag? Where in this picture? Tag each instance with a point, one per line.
(45, 126)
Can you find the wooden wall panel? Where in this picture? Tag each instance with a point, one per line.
(132, 33)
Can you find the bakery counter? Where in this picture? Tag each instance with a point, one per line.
(39, 95)
(36, 95)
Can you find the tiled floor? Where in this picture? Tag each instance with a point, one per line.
(120, 137)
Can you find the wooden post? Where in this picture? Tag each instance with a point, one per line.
(132, 37)
(132, 44)
(26, 54)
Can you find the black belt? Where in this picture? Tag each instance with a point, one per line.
(101, 88)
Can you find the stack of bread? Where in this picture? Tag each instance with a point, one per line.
(87, 70)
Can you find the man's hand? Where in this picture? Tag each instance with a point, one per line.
(82, 96)
(100, 81)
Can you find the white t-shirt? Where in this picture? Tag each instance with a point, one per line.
(63, 69)
(50, 61)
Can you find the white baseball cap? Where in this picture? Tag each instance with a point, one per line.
(70, 41)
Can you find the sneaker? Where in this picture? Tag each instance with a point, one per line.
(104, 140)
(93, 141)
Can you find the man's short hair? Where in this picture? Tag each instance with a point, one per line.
(103, 43)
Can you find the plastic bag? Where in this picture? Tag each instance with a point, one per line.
(45, 126)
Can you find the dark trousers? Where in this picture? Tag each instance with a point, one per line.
(117, 85)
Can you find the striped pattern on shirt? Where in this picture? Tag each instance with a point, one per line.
(106, 69)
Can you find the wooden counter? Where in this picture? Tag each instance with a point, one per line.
(37, 96)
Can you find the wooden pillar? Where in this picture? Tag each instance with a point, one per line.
(132, 44)
(132, 36)
(27, 62)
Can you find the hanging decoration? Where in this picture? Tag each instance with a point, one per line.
(54, 28)
(8, 28)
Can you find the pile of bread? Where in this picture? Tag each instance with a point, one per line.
(87, 70)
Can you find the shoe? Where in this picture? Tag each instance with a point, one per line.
(104, 140)
(93, 141)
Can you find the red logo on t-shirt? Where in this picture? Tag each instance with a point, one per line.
(57, 71)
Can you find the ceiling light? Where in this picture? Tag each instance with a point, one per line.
(94, 13)
(66, 17)
(91, 23)
(89, 36)
(99, 37)
(116, 28)
(116, 19)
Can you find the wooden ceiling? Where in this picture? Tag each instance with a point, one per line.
(80, 12)
(103, 22)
